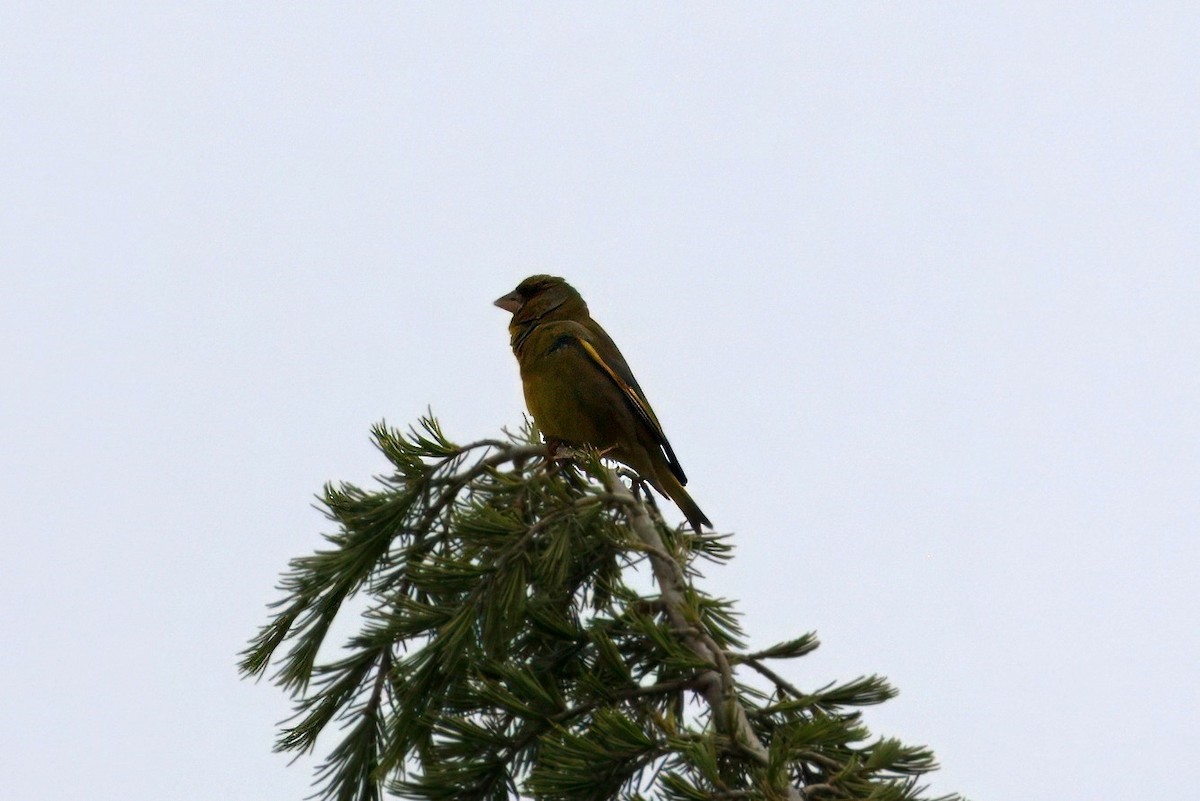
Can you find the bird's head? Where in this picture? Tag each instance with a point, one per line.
(543, 297)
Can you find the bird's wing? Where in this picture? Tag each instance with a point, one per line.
(637, 402)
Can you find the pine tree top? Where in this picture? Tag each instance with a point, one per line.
(506, 649)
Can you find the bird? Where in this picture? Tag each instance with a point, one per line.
(580, 391)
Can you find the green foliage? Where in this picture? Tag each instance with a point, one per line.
(504, 651)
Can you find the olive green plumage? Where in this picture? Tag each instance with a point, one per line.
(580, 391)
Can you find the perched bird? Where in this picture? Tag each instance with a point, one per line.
(580, 391)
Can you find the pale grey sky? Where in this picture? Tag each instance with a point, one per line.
(914, 289)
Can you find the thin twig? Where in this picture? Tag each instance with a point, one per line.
(780, 681)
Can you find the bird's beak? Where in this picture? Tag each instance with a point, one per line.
(510, 302)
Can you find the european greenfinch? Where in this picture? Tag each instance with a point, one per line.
(580, 391)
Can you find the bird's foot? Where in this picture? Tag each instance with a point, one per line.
(557, 450)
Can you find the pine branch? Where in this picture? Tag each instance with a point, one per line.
(716, 684)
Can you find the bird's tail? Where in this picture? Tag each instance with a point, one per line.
(675, 491)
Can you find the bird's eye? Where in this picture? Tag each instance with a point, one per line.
(527, 291)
